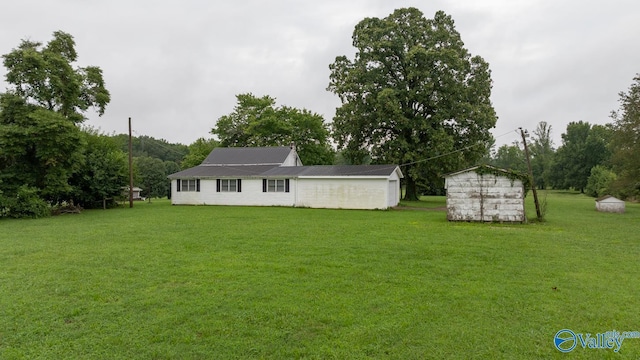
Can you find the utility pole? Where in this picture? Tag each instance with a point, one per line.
(130, 168)
(533, 184)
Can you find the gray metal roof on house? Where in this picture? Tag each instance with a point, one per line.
(266, 171)
(248, 156)
(332, 170)
(204, 171)
(267, 162)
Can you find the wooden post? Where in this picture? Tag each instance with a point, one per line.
(130, 168)
(533, 184)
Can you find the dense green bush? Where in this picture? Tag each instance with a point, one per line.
(25, 204)
(599, 181)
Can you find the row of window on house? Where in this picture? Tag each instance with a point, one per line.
(233, 185)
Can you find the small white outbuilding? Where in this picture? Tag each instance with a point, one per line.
(610, 204)
(485, 193)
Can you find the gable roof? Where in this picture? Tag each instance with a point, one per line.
(608, 198)
(270, 162)
(247, 156)
(488, 169)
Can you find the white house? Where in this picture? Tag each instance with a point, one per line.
(485, 193)
(610, 204)
(275, 176)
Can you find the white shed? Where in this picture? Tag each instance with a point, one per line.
(610, 204)
(485, 193)
(136, 193)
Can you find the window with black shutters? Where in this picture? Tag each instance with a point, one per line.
(229, 185)
(188, 185)
(275, 185)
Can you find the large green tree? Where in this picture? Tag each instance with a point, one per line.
(151, 176)
(510, 157)
(412, 94)
(542, 154)
(41, 145)
(583, 147)
(626, 142)
(45, 76)
(39, 149)
(258, 122)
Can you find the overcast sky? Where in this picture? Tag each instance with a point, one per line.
(176, 66)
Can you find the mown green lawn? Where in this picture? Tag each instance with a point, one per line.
(204, 282)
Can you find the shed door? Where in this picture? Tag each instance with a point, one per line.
(394, 193)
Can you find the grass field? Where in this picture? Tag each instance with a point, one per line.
(205, 282)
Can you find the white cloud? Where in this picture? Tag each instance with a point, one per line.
(176, 66)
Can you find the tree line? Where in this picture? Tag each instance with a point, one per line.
(412, 95)
(594, 159)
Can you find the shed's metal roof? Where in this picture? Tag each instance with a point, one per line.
(609, 198)
(507, 172)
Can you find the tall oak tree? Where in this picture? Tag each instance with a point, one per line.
(413, 95)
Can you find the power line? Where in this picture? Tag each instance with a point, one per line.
(453, 152)
(437, 156)
(158, 143)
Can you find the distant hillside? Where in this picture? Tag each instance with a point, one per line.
(152, 147)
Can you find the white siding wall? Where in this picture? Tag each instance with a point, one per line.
(473, 197)
(251, 195)
(342, 193)
(315, 192)
(292, 160)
